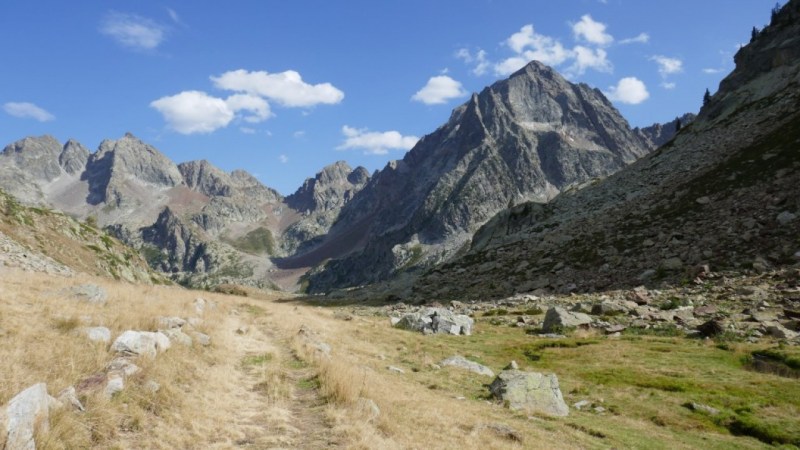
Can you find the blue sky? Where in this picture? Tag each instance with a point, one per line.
(283, 88)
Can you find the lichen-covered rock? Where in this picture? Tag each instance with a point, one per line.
(436, 321)
(530, 391)
(465, 364)
(25, 415)
(558, 318)
(141, 343)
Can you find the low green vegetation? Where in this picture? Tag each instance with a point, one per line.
(257, 242)
(256, 360)
(643, 381)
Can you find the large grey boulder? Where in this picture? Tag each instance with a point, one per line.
(436, 321)
(25, 415)
(463, 363)
(530, 391)
(141, 343)
(558, 318)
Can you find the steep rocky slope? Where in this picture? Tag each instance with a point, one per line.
(42, 240)
(723, 193)
(525, 138)
(659, 134)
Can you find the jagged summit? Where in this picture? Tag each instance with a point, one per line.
(333, 186)
(524, 138)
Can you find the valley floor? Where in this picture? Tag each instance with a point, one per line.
(284, 373)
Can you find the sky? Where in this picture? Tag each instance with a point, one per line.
(282, 89)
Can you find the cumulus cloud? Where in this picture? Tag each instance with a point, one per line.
(257, 107)
(25, 110)
(591, 31)
(286, 88)
(283, 159)
(667, 66)
(375, 142)
(528, 45)
(438, 90)
(479, 59)
(587, 58)
(133, 31)
(642, 38)
(629, 90)
(194, 112)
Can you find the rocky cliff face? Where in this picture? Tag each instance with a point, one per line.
(723, 193)
(320, 200)
(525, 138)
(659, 134)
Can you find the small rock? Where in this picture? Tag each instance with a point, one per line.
(200, 305)
(703, 408)
(242, 329)
(711, 328)
(395, 369)
(500, 430)
(171, 322)
(703, 200)
(785, 217)
(612, 329)
(779, 331)
(581, 404)
(202, 338)
(152, 386)
(647, 274)
(178, 336)
(512, 366)
(89, 293)
(68, 397)
(141, 343)
(370, 407)
(98, 334)
(114, 385)
(463, 363)
(123, 366)
(599, 409)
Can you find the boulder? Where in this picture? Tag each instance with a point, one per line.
(69, 398)
(178, 336)
(26, 414)
(89, 293)
(558, 318)
(98, 334)
(609, 308)
(436, 321)
(141, 343)
(114, 384)
(171, 322)
(530, 391)
(463, 363)
(123, 366)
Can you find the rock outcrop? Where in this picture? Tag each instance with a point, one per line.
(529, 391)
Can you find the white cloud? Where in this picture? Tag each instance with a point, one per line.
(375, 142)
(629, 90)
(642, 38)
(438, 90)
(299, 134)
(133, 31)
(591, 31)
(286, 88)
(174, 16)
(194, 112)
(257, 106)
(667, 66)
(668, 85)
(587, 58)
(528, 45)
(283, 159)
(25, 110)
(482, 64)
(711, 71)
(247, 130)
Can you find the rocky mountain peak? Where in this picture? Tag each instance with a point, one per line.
(35, 156)
(73, 157)
(330, 189)
(116, 164)
(204, 177)
(659, 134)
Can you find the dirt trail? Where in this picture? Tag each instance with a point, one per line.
(262, 397)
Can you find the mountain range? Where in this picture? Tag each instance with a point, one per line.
(524, 139)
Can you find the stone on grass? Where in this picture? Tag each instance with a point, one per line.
(395, 369)
(529, 391)
(89, 293)
(200, 305)
(177, 336)
(141, 343)
(557, 319)
(369, 407)
(114, 384)
(436, 321)
(69, 398)
(98, 334)
(123, 366)
(779, 331)
(171, 322)
(25, 415)
(202, 338)
(463, 363)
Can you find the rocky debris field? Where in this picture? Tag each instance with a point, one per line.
(748, 308)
